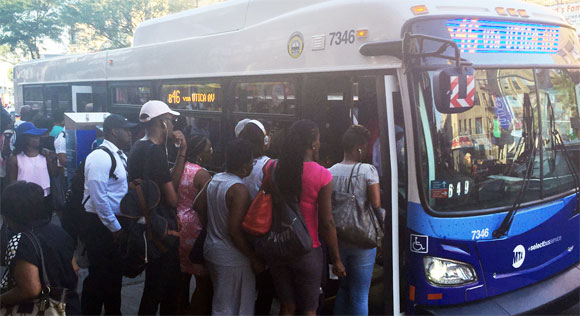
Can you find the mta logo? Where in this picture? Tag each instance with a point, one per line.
(519, 256)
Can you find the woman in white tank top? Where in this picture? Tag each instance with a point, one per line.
(29, 162)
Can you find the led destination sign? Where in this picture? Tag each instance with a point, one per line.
(480, 36)
(192, 96)
(175, 97)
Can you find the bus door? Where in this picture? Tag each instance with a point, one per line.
(391, 156)
(335, 102)
(82, 99)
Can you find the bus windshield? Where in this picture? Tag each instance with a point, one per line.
(477, 159)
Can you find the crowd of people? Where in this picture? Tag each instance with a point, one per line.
(230, 277)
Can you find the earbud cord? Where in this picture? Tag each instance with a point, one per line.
(166, 150)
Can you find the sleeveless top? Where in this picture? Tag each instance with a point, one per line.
(219, 248)
(35, 170)
(190, 223)
(254, 180)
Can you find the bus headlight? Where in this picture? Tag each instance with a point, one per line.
(445, 272)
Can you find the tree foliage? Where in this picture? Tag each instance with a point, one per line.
(106, 24)
(27, 23)
(91, 25)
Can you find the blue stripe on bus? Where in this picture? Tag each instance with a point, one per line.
(461, 228)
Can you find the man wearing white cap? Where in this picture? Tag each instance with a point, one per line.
(148, 160)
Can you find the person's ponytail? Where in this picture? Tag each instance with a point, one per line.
(289, 171)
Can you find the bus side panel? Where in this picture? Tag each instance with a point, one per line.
(514, 262)
(551, 246)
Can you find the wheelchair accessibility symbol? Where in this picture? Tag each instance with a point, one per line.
(419, 243)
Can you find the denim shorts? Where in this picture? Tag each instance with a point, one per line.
(298, 282)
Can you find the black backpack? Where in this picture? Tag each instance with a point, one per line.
(150, 228)
(74, 209)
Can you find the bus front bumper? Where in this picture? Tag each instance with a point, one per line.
(547, 297)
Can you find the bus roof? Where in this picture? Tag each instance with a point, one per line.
(247, 37)
(235, 15)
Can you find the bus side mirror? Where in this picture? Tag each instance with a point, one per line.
(454, 89)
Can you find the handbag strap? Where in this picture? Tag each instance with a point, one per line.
(350, 177)
(45, 283)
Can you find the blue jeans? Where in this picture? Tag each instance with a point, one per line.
(353, 294)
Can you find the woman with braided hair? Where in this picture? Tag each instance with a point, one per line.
(301, 179)
(194, 178)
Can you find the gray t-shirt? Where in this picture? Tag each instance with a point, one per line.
(218, 247)
(361, 178)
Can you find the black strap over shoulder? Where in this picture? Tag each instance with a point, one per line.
(44, 281)
(111, 171)
(113, 162)
(350, 177)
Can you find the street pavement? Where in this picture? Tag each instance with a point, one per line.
(131, 292)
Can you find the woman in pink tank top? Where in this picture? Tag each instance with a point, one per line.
(29, 162)
(299, 177)
(194, 178)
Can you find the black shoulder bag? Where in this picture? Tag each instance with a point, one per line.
(289, 237)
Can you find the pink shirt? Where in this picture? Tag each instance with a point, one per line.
(314, 178)
(35, 170)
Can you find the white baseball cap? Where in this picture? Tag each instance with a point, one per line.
(242, 124)
(153, 109)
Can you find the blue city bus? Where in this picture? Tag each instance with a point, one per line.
(493, 224)
(473, 109)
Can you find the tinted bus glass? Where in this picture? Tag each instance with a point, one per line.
(265, 97)
(132, 95)
(477, 159)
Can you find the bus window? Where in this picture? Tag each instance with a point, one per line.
(131, 95)
(99, 97)
(275, 97)
(485, 169)
(192, 96)
(34, 96)
(209, 126)
(560, 88)
(57, 97)
(327, 100)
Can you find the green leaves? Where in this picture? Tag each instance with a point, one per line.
(27, 23)
(91, 25)
(112, 22)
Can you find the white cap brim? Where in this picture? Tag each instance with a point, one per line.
(153, 109)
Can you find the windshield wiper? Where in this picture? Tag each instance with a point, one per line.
(558, 143)
(533, 142)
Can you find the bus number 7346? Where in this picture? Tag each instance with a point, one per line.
(339, 38)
